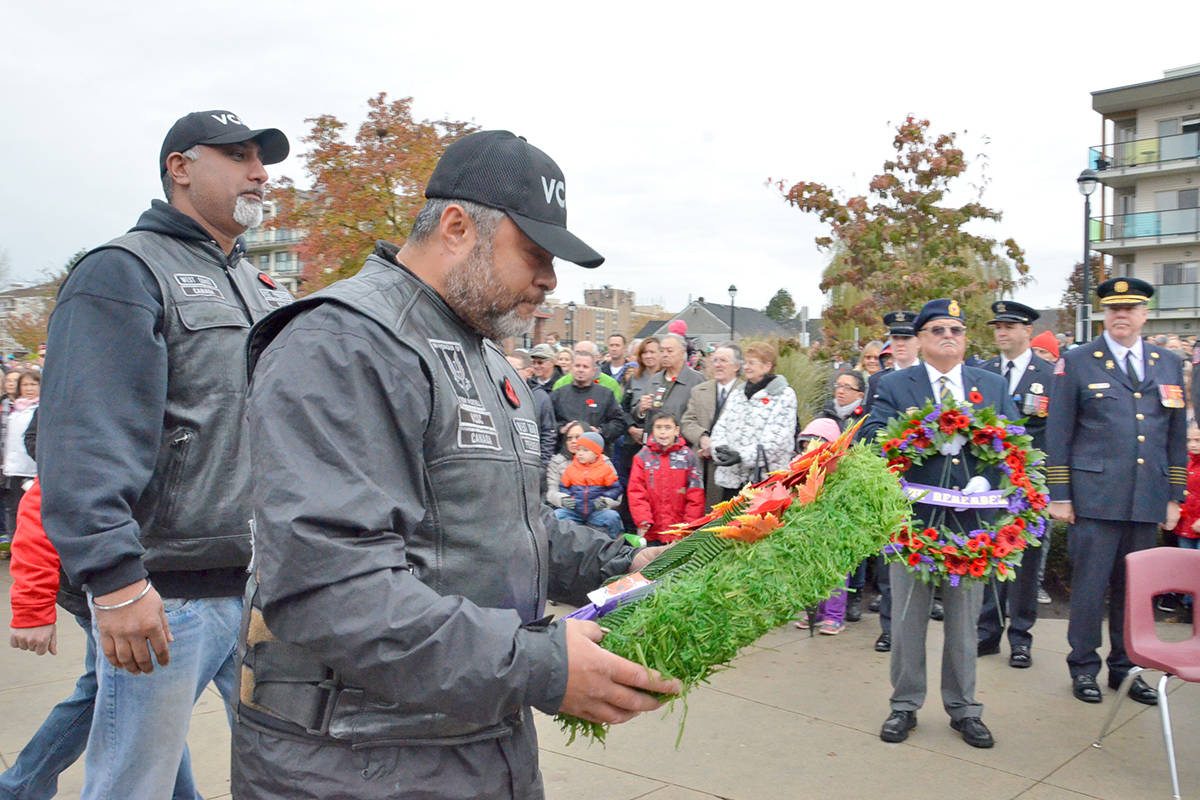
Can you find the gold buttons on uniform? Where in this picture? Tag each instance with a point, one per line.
(1141, 438)
(1138, 395)
(954, 461)
(1139, 415)
(1141, 461)
(1099, 394)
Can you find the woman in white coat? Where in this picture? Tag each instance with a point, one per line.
(756, 432)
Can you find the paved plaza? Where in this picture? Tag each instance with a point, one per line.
(797, 717)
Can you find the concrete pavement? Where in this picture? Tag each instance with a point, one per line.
(797, 717)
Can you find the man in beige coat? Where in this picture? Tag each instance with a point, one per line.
(704, 407)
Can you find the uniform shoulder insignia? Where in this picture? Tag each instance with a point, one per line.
(1060, 368)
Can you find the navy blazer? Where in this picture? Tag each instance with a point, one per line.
(896, 392)
(1114, 450)
(1035, 382)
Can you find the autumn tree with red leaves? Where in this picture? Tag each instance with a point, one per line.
(361, 191)
(898, 245)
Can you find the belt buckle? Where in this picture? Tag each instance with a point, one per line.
(325, 712)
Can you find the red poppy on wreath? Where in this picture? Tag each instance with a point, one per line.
(914, 559)
(899, 464)
(975, 397)
(1002, 569)
(978, 567)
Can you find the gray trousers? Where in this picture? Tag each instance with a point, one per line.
(911, 600)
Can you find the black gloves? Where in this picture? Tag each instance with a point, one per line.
(725, 456)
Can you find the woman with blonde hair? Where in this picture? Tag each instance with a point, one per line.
(868, 360)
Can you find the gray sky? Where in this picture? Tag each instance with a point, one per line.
(667, 118)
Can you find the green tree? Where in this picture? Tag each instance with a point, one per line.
(781, 307)
(899, 244)
(361, 191)
(28, 330)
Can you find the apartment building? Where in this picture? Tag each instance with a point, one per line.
(1146, 221)
(273, 251)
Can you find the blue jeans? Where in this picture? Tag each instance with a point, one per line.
(61, 739)
(605, 518)
(139, 731)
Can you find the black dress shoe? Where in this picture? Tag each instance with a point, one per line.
(854, 608)
(884, 643)
(973, 731)
(936, 612)
(897, 725)
(1084, 688)
(988, 648)
(1020, 657)
(873, 606)
(1139, 690)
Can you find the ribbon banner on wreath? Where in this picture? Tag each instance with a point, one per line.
(947, 550)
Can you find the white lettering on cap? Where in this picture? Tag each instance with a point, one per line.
(225, 119)
(556, 190)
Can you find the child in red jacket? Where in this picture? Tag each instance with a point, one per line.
(1187, 531)
(665, 482)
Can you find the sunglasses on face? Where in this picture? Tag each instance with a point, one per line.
(953, 330)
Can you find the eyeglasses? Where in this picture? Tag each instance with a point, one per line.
(953, 330)
(848, 387)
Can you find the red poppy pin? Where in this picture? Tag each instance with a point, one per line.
(590, 403)
(975, 396)
(766, 400)
(858, 411)
(510, 394)
(267, 280)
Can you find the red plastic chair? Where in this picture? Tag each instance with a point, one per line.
(1156, 571)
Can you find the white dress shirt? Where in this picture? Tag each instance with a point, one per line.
(1020, 364)
(954, 382)
(1119, 350)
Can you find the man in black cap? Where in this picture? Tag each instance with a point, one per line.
(942, 335)
(1117, 427)
(395, 642)
(902, 339)
(1029, 379)
(142, 450)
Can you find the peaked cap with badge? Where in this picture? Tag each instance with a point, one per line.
(1012, 311)
(1124, 292)
(900, 323)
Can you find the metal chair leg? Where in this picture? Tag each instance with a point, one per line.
(1112, 715)
(1168, 739)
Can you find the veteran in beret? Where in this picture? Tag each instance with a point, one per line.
(941, 375)
(1116, 470)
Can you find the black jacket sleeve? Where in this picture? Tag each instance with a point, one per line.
(102, 405)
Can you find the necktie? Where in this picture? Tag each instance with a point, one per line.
(944, 393)
(721, 394)
(1129, 370)
(1008, 374)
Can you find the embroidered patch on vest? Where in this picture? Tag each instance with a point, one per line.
(454, 363)
(274, 298)
(527, 432)
(476, 429)
(198, 286)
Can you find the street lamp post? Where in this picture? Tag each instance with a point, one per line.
(1087, 182)
(571, 323)
(732, 312)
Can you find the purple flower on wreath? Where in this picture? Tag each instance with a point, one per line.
(1039, 527)
(892, 549)
(926, 560)
(955, 580)
(959, 540)
(998, 444)
(977, 532)
(1017, 502)
(1015, 429)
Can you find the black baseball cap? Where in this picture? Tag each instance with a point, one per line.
(501, 170)
(220, 127)
(1010, 311)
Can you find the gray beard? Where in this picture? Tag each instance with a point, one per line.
(247, 213)
(474, 292)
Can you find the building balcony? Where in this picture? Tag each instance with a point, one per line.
(1123, 164)
(265, 238)
(1125, 233)
(1176, 297)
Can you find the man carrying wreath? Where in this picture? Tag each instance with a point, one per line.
(941, 376)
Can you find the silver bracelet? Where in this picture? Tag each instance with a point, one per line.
(124, 603)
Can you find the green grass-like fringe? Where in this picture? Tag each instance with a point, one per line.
(719, 595)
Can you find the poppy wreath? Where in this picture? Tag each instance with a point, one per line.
(937, 554)
(751, 564)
